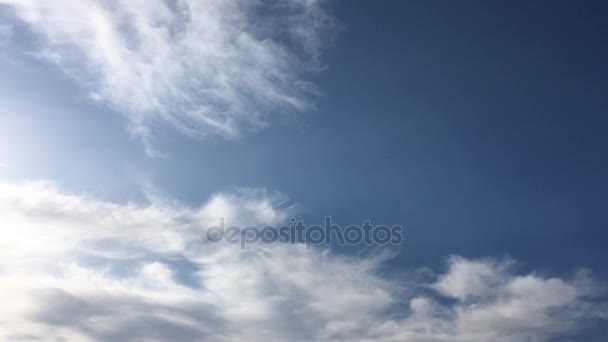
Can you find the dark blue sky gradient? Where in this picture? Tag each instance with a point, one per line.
(480, 127)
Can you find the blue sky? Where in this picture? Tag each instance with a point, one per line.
(479, 127)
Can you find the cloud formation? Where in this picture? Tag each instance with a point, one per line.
(75, 268)
(213, 67)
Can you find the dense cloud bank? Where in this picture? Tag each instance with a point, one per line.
(82, 269)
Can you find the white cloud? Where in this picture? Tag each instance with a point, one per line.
(81, 269)
(208, 67)
(468, 279)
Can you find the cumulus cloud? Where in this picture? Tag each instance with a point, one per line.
(76, 268)
(213, 67)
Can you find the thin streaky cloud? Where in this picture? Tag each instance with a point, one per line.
(214, 67)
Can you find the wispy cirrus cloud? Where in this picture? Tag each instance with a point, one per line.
(212, 67)
(77, 268)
